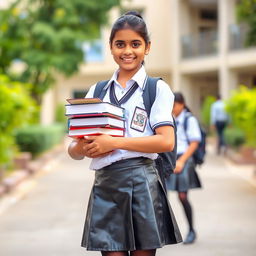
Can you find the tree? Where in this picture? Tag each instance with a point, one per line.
(47, 36)
(246, 12)
(17, 109)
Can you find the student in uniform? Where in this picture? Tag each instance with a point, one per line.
(219, 121)
(185, 176)
(128, 212)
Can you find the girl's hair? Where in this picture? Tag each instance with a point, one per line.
(178, 97)
(130, 20)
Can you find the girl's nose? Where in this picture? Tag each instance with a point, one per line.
(128, 50)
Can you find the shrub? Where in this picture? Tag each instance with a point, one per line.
(242, 109)
(206, 111)
(234, 137)
(17, 109)
(36, 139)
(60, 114)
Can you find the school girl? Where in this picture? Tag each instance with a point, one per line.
(185, 176)
(128, 211)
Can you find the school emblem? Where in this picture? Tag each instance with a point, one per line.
(139, 119)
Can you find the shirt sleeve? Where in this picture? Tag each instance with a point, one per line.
(193, 130)
(161, 110)
(90, 92)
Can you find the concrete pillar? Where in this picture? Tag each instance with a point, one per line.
(47, 115)
(175, 30)
(227, 78)
(191, 92)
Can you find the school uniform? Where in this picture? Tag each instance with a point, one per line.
(188, 177)
(128, 208)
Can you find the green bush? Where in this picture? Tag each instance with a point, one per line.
(234, 137)
(37, 139)
(17, 109)
(60, 114)
(206, 111)
(242, 109)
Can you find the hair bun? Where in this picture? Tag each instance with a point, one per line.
(134, 13)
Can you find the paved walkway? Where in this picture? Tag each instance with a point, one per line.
(45, 216)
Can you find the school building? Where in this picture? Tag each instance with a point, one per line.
(197, 47)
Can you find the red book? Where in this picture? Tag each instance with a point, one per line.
(92, 131)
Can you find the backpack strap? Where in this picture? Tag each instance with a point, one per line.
(149, 93)
(185, 124)
(99, 91)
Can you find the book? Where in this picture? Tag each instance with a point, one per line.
(84, 100)
(89, 107)
(95, 115)
(92, 131)
(103, 121)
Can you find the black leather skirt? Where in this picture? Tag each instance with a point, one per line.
(185, 180)
(128, 209)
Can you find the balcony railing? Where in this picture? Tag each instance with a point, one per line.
(202, 44)
(237, 36)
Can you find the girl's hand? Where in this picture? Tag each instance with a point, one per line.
(179, 166)
(76, 149)
(98, 146)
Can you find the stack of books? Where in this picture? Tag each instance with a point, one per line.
(92, 116)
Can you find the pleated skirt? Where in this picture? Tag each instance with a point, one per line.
(185, 180)
(128, 209)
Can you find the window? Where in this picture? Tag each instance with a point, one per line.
(93, 51)
(207, 14)
(79, 93)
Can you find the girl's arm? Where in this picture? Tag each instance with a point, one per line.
(187, 154)
(162, 141)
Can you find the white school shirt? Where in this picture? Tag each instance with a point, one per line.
(191, 134)
(160, 114)
(218, 112)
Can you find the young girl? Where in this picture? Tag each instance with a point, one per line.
(128, 209)
(185, 176)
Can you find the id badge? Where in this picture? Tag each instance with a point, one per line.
(139, 119)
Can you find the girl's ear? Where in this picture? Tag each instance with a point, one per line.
(147, 48)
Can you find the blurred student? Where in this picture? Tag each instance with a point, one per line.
(219, 120)
(185, 176)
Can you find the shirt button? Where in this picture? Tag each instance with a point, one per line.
(122, 92)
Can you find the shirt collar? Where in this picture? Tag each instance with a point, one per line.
(139, 77)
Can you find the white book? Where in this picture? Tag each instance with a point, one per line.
(94, 108)
(97, 121)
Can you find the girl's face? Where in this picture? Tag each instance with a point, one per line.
(177, 108)
(129, 49)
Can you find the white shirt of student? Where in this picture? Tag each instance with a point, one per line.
(218, 112)
(191, 134)
(160, 114)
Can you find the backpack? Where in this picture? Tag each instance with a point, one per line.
(166, 161)
(200, 152)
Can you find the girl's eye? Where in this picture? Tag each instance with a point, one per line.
(136, 44)
(119, 45)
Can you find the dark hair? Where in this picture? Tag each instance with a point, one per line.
(178, 97)
(130, 20)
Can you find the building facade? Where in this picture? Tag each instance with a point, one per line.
(197, 47)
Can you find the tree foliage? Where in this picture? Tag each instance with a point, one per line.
(17, 109)
(206, 111)
(47, 36)
(246, 12)
(242, 109)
